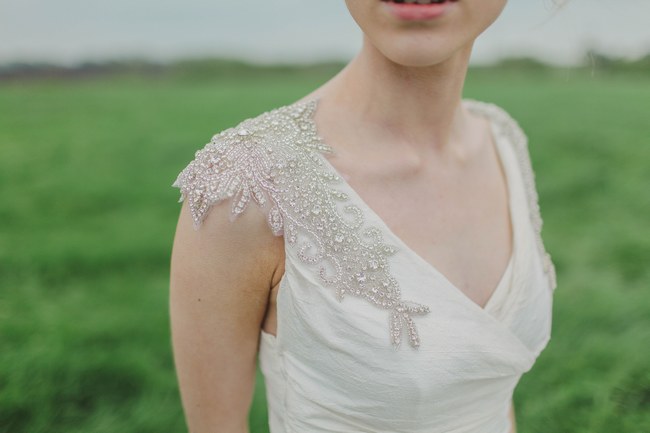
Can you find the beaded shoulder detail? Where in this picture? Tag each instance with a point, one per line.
(511, 129)
(246, 161)
(272, 159)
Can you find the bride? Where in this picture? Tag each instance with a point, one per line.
(389, 274)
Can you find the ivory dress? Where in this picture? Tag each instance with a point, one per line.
(370, 336)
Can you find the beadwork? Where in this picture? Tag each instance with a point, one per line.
(515, 135)
(273, 159)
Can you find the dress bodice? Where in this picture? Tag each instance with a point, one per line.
(370, 336)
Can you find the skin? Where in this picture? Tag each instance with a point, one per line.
(405, 143)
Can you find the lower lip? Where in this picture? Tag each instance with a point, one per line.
(417, 12)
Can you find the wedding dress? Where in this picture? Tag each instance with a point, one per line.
(370, 336)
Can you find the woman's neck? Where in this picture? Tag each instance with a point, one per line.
(417, 106)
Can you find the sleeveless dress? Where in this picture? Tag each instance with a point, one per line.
(370, 336)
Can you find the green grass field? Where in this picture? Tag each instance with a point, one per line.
(87, 216)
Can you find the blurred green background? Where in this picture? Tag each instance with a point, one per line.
(87, 216)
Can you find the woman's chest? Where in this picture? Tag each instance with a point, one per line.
(465, 354)
(458, 221)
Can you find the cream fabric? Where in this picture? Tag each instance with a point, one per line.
(329, 369)
(340, 365)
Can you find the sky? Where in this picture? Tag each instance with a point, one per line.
(300, 31)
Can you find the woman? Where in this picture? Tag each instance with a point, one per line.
(395, 279)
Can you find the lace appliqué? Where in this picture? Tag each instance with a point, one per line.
(271, 158)
(511, 129)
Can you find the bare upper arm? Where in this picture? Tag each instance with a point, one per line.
(511, 415)
(220, 280)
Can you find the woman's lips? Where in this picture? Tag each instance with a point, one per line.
(417, 11)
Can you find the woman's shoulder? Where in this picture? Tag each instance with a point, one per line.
(506, 126)
(500, 117)
(243, 162)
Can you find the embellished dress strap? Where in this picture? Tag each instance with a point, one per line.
(510, 128)
(272, 159)
(241, 163)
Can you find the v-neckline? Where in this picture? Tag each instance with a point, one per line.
(383, 226)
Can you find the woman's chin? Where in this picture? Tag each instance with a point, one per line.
(413, 54)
